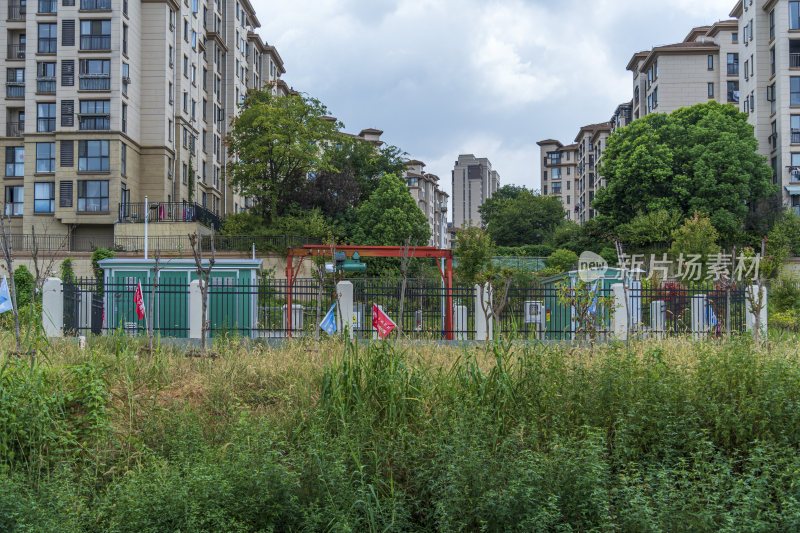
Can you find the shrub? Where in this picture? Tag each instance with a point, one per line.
(562, 260)
(24, 285)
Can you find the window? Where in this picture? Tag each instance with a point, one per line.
(186, 30)
(752, 102)
(171, 56)
(194, 108)
(556, 173)
(194, 6)
(44, 197)
(733, 92)
(185, 67)
(733, 64)
(194, 40)
(795, 123)
(125, 39)
(193, 74)
(93, 156)
(794, 87)
(93, 196)
(773, 138)
(169, 130)
(185, 173)
(15, 161)
(47, 6)
(95, 5)
(46, 117)
(48, 38)
(124, 118)
(205, 106)
(772, 61)
(95, 74)
(710, 62)
(746, 69)
(95, 35)
(46, 77)
(185, 101)
(15, 83)
(170, 94)
(95, 115)
(794, 15)
(655, 98)
(772, 25)
(735, 37)
(126, 78)
(15, 199)
(795, 167)
(123, 157)
(711, 90)
(771, 97)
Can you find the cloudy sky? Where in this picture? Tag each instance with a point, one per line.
(444, 77)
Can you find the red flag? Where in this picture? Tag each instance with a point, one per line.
(381, 322)
(139, 301)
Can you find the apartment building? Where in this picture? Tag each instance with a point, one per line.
(424, 188)
(474, 181)
(591, 140)
(109, 101)
(770, 87)
(559, 171)
(703, 67)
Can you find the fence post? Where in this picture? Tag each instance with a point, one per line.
(483, 329)
(750, 296)
(658, 318)
(344, 292)
(700, 315)
(460, 322)
(53, 308)
(620, 314)
(195, 310)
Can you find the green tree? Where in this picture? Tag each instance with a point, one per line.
(696, 237)
(784, 238)
(517, 216)
(276, 141)
(23, 282)
(649, 229)
(473, 254)
(389, 217)
(562, 261)
(700, 158)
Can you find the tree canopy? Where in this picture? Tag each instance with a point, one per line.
(389, 217)
(516, 216)
(700, 158)
(276, 141)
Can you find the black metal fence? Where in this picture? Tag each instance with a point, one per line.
(134, 212)
(262, 310)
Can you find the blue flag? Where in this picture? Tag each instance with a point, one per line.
(593, 308)
(328, 324)
(5, 297)
(711, 317)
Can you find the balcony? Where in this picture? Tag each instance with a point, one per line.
(46, 85)
(95, 42)
(95, 5)
(46, 125)
(16, 51)
(94, 122)
(15, 129)
(733, 69)
(95, 82)
(795, 136)
(16, 12)
(168, 212)
(48, 6)
(794, 174)
(15, 89)
(794, 60)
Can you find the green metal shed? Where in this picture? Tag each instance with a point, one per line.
(232, 295)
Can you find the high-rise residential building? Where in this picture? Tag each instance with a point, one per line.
(474, 182)
(591, 141)
(424, 188)
(770, 87)
(115, 100)
(703, 67)
(559, 171)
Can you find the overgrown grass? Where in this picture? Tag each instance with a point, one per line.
(655, 436)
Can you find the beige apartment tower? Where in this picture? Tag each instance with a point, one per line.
(474, 182)
(559, 171)
(424, 188)
(109, 101)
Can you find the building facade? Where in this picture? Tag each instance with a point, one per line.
(474, 182)
(109, 101)
(559, 171)
(770, 87)
(424, 188)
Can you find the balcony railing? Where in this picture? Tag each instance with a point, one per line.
(14, 209)
(95, 5)
(794, 60)
(733, 69)
(15, 89)
(169, 212)
(15, 129)
(794, 174)
(46, 124)
(48, 6)
(16, 12)
(46, 85)
(795, 136)
(94, 122)
(95, 82)
(95, 42)
(47, 45)
(16, 51)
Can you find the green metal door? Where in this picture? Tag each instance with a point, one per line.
(172, 304)
(123, 309)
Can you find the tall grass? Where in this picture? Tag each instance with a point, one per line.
(655, 436)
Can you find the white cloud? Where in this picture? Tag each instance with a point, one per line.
(442, 77)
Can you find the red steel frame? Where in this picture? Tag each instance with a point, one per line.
(373, 251)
